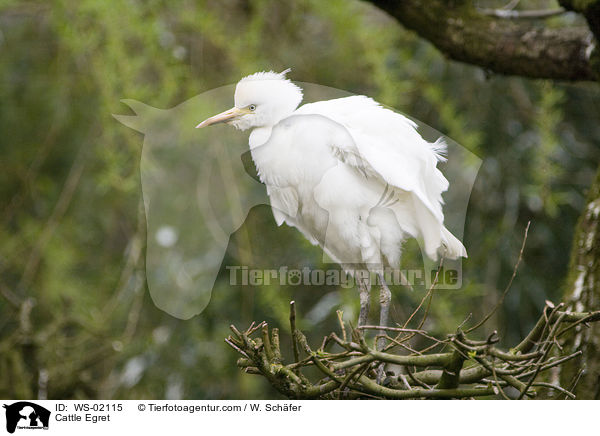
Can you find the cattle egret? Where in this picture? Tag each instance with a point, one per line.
(353, 177)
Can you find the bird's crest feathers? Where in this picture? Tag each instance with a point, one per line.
(266, 75)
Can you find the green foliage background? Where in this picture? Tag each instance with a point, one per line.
(76, 320)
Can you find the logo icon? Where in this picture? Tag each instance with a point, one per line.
(26, 415)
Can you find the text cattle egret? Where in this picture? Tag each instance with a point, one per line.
(352, 176)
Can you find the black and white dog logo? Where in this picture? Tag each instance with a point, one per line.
(26, 415)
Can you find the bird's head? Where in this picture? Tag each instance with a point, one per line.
(261, 99)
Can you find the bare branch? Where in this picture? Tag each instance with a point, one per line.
(356, 372)
(512, 278)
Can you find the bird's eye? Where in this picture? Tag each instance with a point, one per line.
(252, 107)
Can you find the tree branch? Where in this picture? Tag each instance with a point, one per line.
(460, 373)
(462, 33)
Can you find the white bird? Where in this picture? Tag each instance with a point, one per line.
(353, 177)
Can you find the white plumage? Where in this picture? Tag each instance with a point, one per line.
(352, 176)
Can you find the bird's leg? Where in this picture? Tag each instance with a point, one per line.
(365, 293)
(385, 297)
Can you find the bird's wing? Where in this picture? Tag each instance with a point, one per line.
(284, 202)
(387, 144)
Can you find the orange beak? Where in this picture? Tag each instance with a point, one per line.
(223, 117)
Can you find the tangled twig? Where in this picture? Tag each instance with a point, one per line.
(347, 366)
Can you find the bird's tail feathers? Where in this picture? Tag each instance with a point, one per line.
(452, 248)
(440, 149)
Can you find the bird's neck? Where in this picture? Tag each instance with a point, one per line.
(259, 136)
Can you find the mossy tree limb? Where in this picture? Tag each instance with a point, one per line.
(514, 47)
